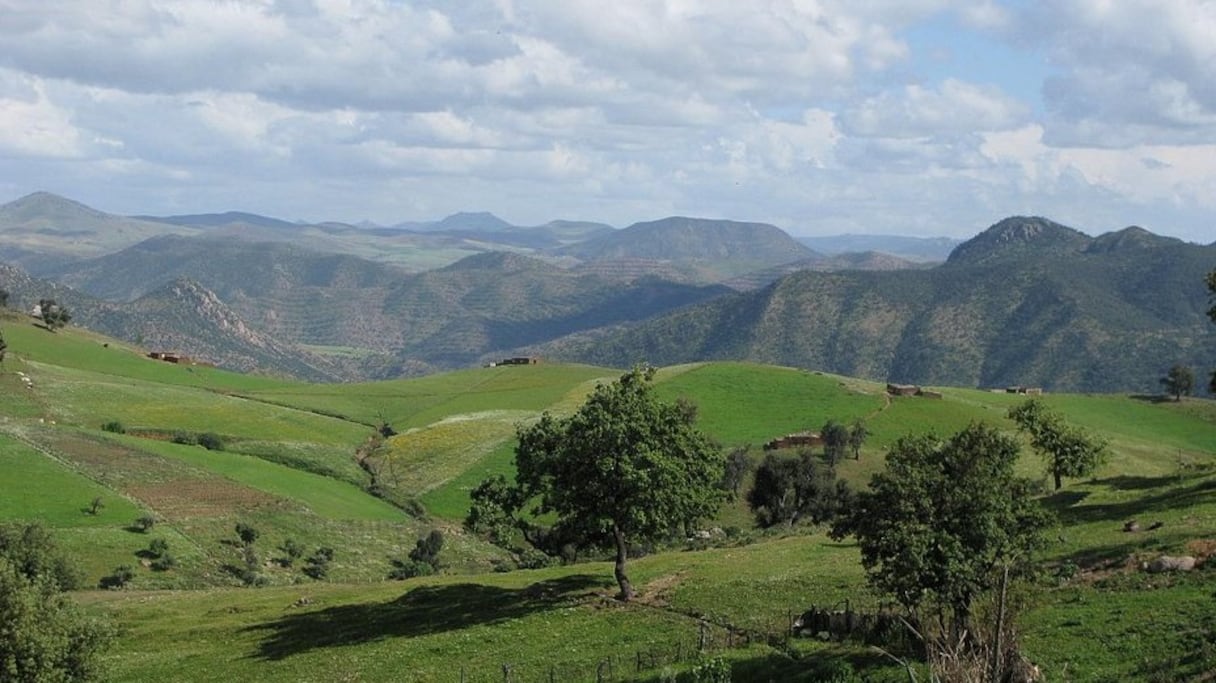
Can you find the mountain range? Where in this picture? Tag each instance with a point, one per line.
(1026, 301)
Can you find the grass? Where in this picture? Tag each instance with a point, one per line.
(80, 349)
(1109, 622)
(321, 495)
(560, 618)
(36, 487)
(87, 398)
(419, 402)
(746, 403)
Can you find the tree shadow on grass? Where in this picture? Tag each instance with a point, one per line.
(1180, 495)
(425, 610)
(1152, 398)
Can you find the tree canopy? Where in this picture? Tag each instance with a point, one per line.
(625, 468)
(787, 489)
(1069, 451)
(943, 516)
(1179, 381)
(43, 635)
(53, 315)
(835, 441)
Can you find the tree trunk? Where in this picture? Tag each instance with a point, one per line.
(1059, 483)
(622, 552)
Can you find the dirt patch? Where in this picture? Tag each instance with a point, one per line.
(195, 498)
(173, 489)
(658, 592)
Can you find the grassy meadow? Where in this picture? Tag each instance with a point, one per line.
(295, 466)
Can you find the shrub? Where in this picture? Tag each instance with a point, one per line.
(246, 533)
(317, 565)
(714, 670)
(145, 523)
(158, 547)
(252, 578)
(44, 635)
(292, 551)
(211, 441)
(114, 426)
(408, 569)
(531, 558)
(164, 563)
(121, 576)
(32, 550)
(427, 549)
(184, 438)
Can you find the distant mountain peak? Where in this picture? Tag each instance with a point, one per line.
(47, 204)
(1016, 234)
(479, 221)
(1131, 237)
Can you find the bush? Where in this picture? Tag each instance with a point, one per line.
(121, 576)
(317, 565)
(184, 438)
(211, 441)
(427, 549)
(45, 636)
(145, 523)
(408, 569)
(158, 547)
(33, 552)
(292, 551)
(252, 578)
(114, 426)
(246, 533)
(164, 563)
(531, 558)
(714, 670)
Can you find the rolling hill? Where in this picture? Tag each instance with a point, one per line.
(289, 469)
(375, 319)
(43, 229)
(708, 250)
(180, 316)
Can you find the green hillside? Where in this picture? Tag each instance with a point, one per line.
(290, 467)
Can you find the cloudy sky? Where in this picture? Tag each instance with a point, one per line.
(930, 117)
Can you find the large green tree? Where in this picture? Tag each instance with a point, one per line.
(625, 468)
(789, 488)
(43, 635)
(1069, 450)
(934, 527)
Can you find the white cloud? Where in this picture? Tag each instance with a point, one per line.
(32, 125)
(916, 111)
(1130, 72)
(814, 114)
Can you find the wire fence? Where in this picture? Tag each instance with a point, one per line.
(702, 639)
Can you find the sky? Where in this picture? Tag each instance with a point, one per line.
(911, 117)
